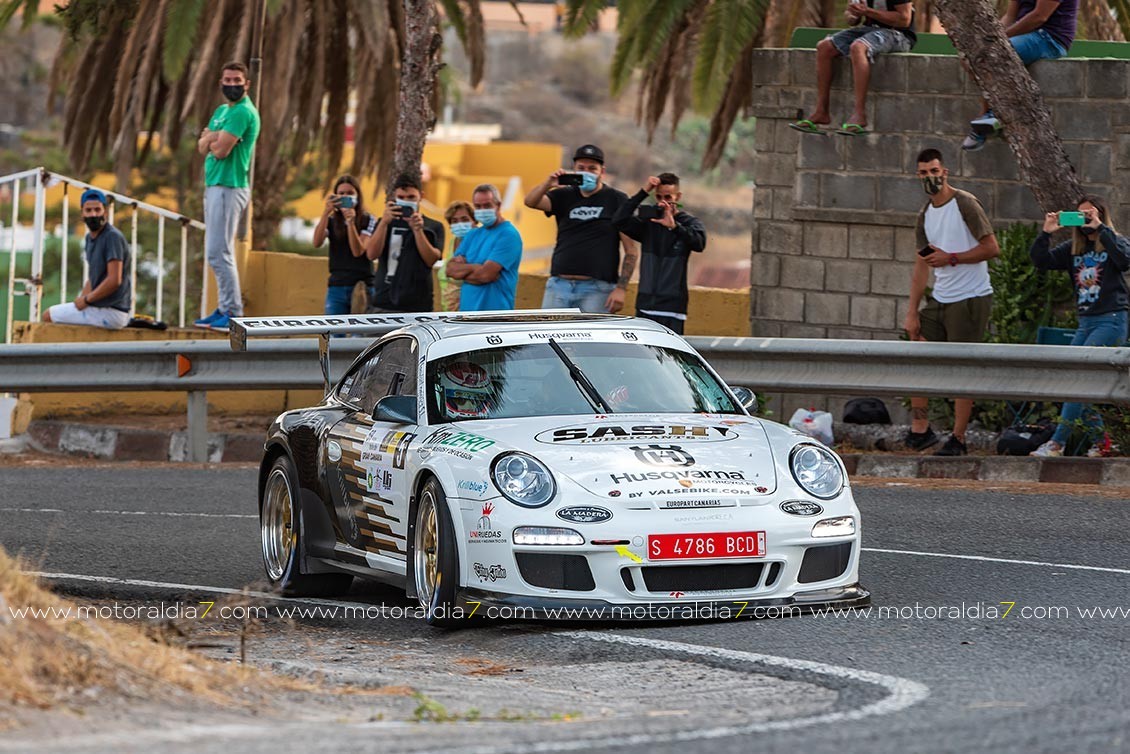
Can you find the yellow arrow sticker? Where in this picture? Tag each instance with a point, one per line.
(624, 551)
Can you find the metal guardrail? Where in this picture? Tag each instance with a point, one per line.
(790, 365)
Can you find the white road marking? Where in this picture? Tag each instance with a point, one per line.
(176, 514)
(982, 558)
(901, 694)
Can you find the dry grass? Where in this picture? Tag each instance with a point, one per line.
(53, 660)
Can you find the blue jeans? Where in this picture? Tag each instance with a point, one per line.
(338, 299)
(1100, 330)
(586, 295)
(1036, 45)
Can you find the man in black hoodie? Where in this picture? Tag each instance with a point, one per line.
(667, 236)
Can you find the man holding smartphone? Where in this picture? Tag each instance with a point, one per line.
(956, 240)
(406, 245)
(667, 237)
(583, 273)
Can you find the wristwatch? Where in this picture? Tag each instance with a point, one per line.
(953, 260)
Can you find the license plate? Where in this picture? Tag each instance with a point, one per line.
(741, 544)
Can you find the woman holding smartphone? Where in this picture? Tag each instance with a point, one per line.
(346, 223)
(1096, 256)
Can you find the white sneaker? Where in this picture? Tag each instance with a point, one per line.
(1050, 449)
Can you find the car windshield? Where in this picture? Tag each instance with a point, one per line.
(532, 380)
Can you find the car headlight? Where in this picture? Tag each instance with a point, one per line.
(817, 471)
(523, 480)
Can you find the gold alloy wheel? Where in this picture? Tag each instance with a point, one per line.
(277, 524)
(426, 548)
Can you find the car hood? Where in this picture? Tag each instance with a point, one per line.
(676, 460)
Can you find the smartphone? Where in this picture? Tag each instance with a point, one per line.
(925, 251)
(650, 212)
(345, 201)
(1072, 219)
(570, 179)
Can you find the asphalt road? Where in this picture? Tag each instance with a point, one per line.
(995, 684)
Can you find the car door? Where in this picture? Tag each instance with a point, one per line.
(367, 459)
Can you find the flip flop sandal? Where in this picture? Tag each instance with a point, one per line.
(852, 129)
(807, 127)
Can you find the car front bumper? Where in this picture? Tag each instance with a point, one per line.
(477, 602)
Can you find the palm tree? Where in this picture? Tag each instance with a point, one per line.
(149, 69)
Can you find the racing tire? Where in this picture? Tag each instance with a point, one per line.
(435, 557)
(280, 537)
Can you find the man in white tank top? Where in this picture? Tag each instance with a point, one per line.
(955, 238)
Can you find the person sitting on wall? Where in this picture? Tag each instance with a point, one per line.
(1038, 30)
(107, 295)
(879, 27)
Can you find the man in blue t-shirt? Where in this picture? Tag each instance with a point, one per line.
(107, 294)
(488, 257)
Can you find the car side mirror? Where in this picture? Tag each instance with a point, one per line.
(396, 409)
(747, 399)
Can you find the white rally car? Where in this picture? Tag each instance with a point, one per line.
(546, 464)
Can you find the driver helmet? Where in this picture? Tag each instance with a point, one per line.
(467, 389)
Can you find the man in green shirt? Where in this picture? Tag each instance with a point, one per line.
(228, 143)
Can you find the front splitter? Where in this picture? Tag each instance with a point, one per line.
(486, 604)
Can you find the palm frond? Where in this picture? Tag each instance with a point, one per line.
(739, 88)
(10, 8)
(582, 15)
(728, 28)
(181, 31)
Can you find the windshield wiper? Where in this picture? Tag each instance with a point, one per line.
(580, 378)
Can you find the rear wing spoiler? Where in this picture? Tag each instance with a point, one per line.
(243, 328)
(323, 327)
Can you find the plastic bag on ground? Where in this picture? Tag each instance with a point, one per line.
(815, 424)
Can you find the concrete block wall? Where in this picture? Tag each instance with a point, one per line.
(833, 240)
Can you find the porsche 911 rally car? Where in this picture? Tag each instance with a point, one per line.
(547, 464)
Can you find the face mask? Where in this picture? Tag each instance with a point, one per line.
(95, 223)
(461, 229)
(486, 217)
(932, 184)
(589, 181)
(1087, 231)
(405, 203)
(233, 92)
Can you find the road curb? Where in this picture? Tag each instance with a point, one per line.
(1108, 472)
(136, 444)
